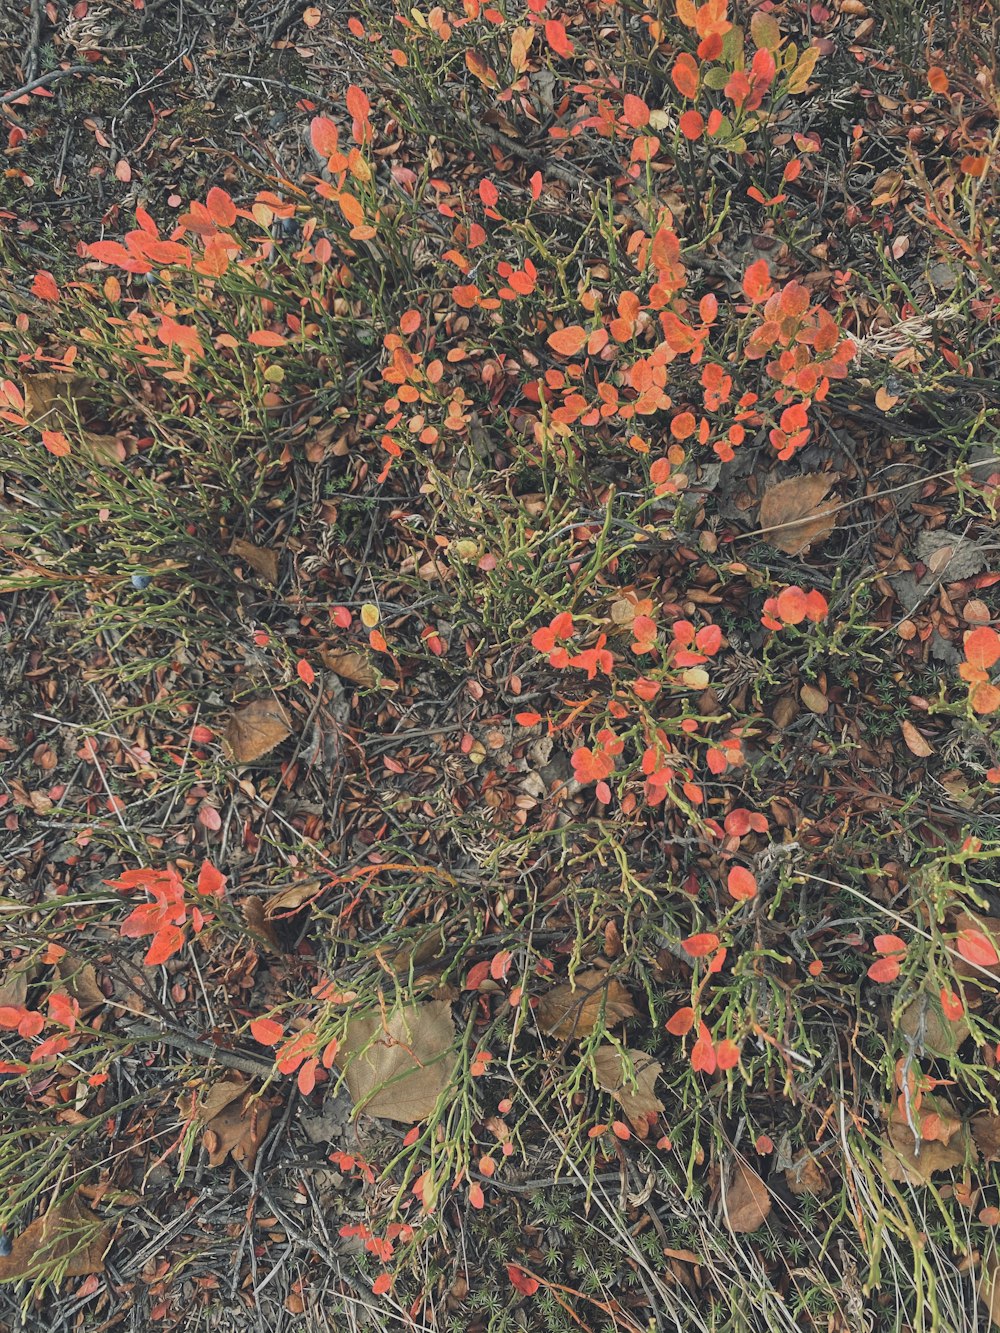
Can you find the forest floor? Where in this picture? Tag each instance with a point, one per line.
(499, 770)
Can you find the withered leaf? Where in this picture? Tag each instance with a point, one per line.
(573, 1009)
(986, 1133)
(806, 1176)
(914, 1161)
(255, 729)
(255, 915)
(57, 402)
(747, 1200)
(80, 981)
(351, 666)
(814, 699)
(916, 742)
(793, 513)
(924, 1021)
(235, 1122)
(68, 1240)
(261, 559)
(16, 977)
(400, 1067)
(288, 900)
(637, 1098)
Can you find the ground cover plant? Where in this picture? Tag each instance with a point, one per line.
(500, 770)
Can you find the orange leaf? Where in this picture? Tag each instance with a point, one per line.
(166, 943)
(358, 105)
(555, 35)
(266, 1031)
(741, 884)
(937, 79)
(323, 135)
(982, 648)
(976, 948)
(884, 969)
(685, 75)
(681, 1022)
(220, 207)
(569, 341)
(757, 281)
(304, 671)
(265, 338)
(697, 946)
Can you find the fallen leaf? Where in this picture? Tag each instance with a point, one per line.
(255, 915)
(746, 1200)
(806, 1176)
(14, 987)
(988, 926)
(635, 1090)
(888, 185)
(573, 1009)
(235, 1122)
(80, 981)
(986, 1133)
(794, 508)
(924, 1022)
(914, 1160)
(814, 699)
(254, 730)
(916, 742)
(57, 402)
(292, 898)
(67, 1241)
(989, 1287)
(399, 1067)
(261, 559)
(351, 666)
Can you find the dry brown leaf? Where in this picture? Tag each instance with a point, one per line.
(16, 978)
(288, 900)
(806, 1176)
(255, 915)
(399, 1068)
(795, 509)
(80, 981)
(989, 1287)
(814, 699)
(923, 1021)
(637, 1099)
(747, 1200)
(235, 1122)
(573, 1010)
(354, 667)
(986, 1132)
(261, 559)
(254, 730)
(56, 402)
(68, 1239)
(916, 742)
(914, 1161)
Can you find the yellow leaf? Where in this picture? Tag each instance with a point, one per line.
(803, 70)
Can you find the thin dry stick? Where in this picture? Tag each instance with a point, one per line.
(43, 80)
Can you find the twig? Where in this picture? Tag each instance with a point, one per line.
(29, 64)
(246, 1064)
(42, 80)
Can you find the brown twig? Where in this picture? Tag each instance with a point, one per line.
(42, 80)
(246, 1064)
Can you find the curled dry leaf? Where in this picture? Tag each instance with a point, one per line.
(914, 1161)
(68, 1239)
(255, 915)
(235, 1122)
(291, 899)
(254, 730)
(916, 742)
(634, 1089)
(793, 513)
(261, 559)
(400, 1067)
(351, 666)
(573, 1009)
(747, 1200)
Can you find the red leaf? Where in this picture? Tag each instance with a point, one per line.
(636, 111)
(884, 969)
(889, 944)
(488, 193)
(323, 135)
(685, 75)
(757, 281)
(304, 671)
(220, 207)
(476, 1196)
(976, 948)
(555, 35)
(681, 1022)
(741, 884)
(210, 880)
(358, 105)
(266, 1031)
(166, 943)
(265, 338)
(382, 1284)
(703, 1053)
(44, 286)
(697, 946)
(521, 1280)
(527, 719)
(568, 341)
(476, 975)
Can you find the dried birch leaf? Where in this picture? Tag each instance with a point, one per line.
(573, 1010)
(796, 512)
(256, 729)
(68, 1240)
(747, 1200)
(633, 1089)
(400, 1067)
